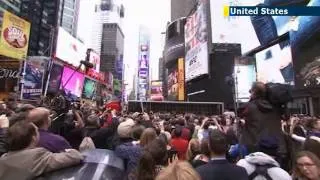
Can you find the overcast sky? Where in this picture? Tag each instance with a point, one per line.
(153, 14)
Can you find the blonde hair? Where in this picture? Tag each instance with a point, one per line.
(194, 149)
(179, 170)
(147, 136)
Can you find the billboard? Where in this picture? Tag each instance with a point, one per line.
(75, 84)
(143, 64)
(181, 93)
(94, 58)
(156, 93)
(70, 49)
(274, 64)
(173, 84)
(55, 78)
(14, 36)
(35, 68)
(89, 88)
(196, 43)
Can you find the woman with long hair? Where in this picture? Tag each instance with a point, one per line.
(153, 159)
(147, 136)
(306, 166)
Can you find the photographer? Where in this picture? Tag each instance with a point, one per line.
(261, 119)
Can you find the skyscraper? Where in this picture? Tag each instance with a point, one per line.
(107, 11)
(45, 17)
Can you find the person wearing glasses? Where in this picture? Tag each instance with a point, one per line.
(306, 166)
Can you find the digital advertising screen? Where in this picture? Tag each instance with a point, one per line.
(89, 88)
(75, 85)
(274, 64)
(259, 30)
(173, 84)
(245, 71)
(55, 78)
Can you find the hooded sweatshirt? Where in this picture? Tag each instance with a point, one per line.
(259, 158)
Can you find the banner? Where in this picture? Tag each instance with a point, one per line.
(181, 79)
(35, 68)
(196, 39)
(14, 36)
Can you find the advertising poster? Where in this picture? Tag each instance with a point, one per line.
(35, 68)
(75, 85)
(89, 88)
(14, 36)
(196, 39)
(181, 92)
(55, 78)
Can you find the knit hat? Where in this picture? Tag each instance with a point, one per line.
(124, 128)
(269, 145)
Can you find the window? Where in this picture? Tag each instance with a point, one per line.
(68, 11)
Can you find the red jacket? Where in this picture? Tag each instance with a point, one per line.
(181, 146)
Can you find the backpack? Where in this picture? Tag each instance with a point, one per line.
(261, 170)
(279, 94)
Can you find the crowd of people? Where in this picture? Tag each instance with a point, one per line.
(259, 144)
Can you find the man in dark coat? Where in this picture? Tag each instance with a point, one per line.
(262, 119)
(218, 167)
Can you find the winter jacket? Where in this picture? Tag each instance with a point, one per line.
(261, 120)
(251, 161)
(30, 163)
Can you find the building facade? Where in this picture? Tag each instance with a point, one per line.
(68, 18)
(43, 16)
(181, 8)
(112, 47)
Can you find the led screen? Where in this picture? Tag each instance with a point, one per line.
(75, 85)
(89, 88)
(55, 78)
(274, 64)
(173, 84)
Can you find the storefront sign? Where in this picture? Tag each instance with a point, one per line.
(9, 73)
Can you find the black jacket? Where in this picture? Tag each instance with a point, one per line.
(261, 120)
(222, 170)
(3, 141)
